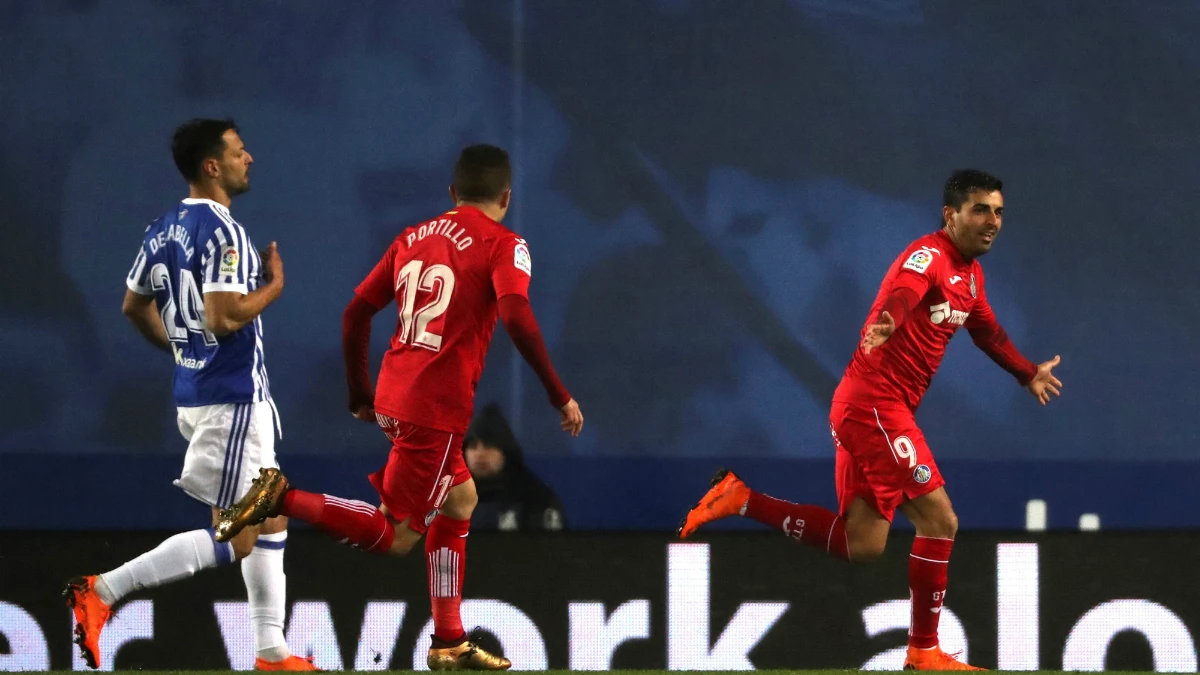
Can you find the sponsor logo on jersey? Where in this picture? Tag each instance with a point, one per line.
(919, 260)
(942, 312)
(973, 285)
(187, 362)
(922, 474)
(521, 259)
(955, 279)
(229, 261)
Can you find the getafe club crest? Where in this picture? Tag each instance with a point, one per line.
(973, 284)
(922, 474)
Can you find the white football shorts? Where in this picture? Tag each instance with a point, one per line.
(227, 444)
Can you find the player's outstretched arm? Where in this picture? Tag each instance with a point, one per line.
(142, 312)
(895, 310)
(522, 327)
(356, 344)
(228, 311)
(987, 334)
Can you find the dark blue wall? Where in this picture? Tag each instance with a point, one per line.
(711, 190)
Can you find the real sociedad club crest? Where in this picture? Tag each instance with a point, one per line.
(973, 285)
(922, 474)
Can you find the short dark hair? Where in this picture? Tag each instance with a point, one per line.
(197, 140)
(963, 182)
(482, 173)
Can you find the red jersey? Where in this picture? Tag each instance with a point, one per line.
(446, 276)
(951, 292)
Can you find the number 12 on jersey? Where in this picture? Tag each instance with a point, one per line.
(414, 325)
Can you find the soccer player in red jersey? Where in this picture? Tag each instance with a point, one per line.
(450, 277)
(882, 460)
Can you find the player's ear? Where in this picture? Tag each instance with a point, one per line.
(505, 197)
(948, 214)
(453, 196)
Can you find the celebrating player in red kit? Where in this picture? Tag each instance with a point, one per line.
(882, 460)
(450, 277)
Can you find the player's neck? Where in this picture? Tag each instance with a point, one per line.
(491, 210)
(210, 192)
(957, 246)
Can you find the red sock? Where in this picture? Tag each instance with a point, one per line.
(446, 555)
(351, 522)
(927, 575)
(812, 525)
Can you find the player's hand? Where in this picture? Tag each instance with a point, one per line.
(878, 332)
(572, 418)
(272, 263)
(364, 412)
(1044, 382)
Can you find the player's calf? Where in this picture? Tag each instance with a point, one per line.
(351, 522)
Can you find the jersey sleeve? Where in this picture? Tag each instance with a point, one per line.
(138, 280)
(225, 261)
(991, 338)
(920, 270)
(378, 288)
(512, 267)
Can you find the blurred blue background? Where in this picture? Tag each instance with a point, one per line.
(711, 190)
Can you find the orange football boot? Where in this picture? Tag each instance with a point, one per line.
(292, 662)
(934, 659)
(90, 615)
(725, 498)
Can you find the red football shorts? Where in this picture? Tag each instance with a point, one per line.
(421, 468)
(881, 456)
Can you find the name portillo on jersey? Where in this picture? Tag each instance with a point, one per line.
(443, 226)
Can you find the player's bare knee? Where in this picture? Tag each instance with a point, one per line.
(461, 501)
(404, 540)
(941, 524)
(401, 547)
(865, 549)
(947, 524)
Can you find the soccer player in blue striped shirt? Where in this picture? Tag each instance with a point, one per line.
(196, 290)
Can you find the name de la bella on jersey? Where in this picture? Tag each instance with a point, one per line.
(176, 233)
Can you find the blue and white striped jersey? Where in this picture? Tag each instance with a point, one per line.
(199, 248)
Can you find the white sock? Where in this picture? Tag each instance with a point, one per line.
(177, 558)
(266, 586)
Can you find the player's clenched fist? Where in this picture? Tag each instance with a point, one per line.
(1045, 383)
(272, 264)
(572, 418)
